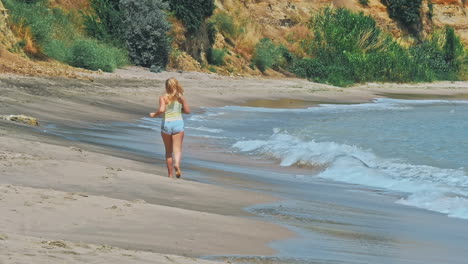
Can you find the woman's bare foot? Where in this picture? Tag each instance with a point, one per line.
(178, 172)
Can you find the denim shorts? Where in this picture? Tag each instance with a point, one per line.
(172, 127)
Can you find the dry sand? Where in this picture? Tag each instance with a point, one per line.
(64, 193)
(25, 249)
(68, 202)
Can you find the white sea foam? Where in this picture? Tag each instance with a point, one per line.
(205, 116)
(420, 102)
(265, 109)
(377, 104)
(432, 188)
(208, 136)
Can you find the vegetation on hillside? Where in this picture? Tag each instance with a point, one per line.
(144, 31)
(334, 46)
(48, 31)
(349, 48)
(139, 26)
(104, 37)
(192, 12)
(407, 12)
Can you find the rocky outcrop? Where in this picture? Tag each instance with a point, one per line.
(182, 61)
(452, 13)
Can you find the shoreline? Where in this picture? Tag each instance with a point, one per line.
(123, 97)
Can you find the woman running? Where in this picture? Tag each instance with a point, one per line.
(172, 105)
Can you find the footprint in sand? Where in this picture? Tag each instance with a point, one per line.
(114, 169)
(139, 201)
(69, 196)
(76, 149)
(54, 244)
(104, 248)
(111, 172)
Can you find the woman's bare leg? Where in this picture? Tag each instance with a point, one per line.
(167, 139)
(177, 140)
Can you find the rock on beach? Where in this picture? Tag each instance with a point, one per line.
(21, 119)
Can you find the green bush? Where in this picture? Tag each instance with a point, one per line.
(60, 38)
(36, 15)
(211, 29)
(349, 48)
(266, 55)
(57, 50)
(429, 61)
(344, 45)
(225, 24)
(90, 54)
(310, 68)
(430, 12)
(145, 31)
(338, 30)
(286, 57)
(105, 24)
(440, 57)
(216, 56)
(406, 11)
(453, 48)
(364, 2)
(192, 12)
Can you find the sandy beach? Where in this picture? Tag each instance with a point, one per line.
(71, 202)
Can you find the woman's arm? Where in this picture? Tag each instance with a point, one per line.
(162, 107)
(185, 106)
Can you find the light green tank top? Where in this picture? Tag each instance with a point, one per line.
(173, 111)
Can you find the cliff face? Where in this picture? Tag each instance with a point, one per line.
(276, 17)
(452, 13)
(284, 21)
(7, 39)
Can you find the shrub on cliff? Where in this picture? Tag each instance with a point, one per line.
(215, 56)
(90, 54)
(145, 31)
(364, 2)
(307, 67)
(349, 48)
(192, 12)
(440, 56)
(58, 35)
(105, 23)
(267, 55)
(406, 11)
(225, 24)
(454, 51)
(35, 15)
(344, 47)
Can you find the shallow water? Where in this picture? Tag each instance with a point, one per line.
(412, 152)
(417, 147)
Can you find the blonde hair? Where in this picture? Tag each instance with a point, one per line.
(174, 90)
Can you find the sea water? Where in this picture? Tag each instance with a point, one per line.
(414, 150)
(418, 147)
(415, 147)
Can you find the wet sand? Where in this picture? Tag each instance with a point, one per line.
(62, 200)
